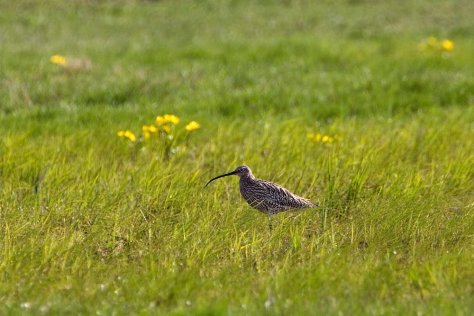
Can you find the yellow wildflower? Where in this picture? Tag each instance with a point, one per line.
(160, 120)
(318, 137)
(58, 60)
(447, 45)
(166, 129)
(171, 118)
(327, 139)
(314, 137)
(127, 134)
(167, 118)
(130, 136)
(193, 125)
(149, 129)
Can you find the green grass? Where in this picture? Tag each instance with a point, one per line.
(91, 223)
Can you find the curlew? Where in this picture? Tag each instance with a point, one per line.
(265, 196)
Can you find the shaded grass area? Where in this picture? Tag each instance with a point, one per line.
(93, 223)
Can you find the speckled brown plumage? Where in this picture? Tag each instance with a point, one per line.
(265, 196)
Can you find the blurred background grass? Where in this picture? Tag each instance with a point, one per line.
(94, 224)
(237, 58)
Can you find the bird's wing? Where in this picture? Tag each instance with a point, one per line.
(282, 198)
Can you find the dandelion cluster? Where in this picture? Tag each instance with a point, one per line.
(164, 125)
(436, 45)
(321, 138)
(164, 134)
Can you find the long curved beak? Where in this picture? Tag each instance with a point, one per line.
(222, 175)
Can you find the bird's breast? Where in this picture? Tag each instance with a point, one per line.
(253, 193)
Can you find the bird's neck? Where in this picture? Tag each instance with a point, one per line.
(246, 177)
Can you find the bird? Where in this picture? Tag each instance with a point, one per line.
(265, 196)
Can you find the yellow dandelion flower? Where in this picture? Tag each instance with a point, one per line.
(130, 136)
(58, 60)
(149, 129)
(328, 139)
(166, 129)
(171, 118)
(447, 45)
(160, 120)
(193, 125)
(316, 137)
(127, 134)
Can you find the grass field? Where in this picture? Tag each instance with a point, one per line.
(93, 223)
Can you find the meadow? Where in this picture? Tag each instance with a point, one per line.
(364, 106)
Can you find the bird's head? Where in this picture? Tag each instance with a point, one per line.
(239, 171)
(242, 171)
